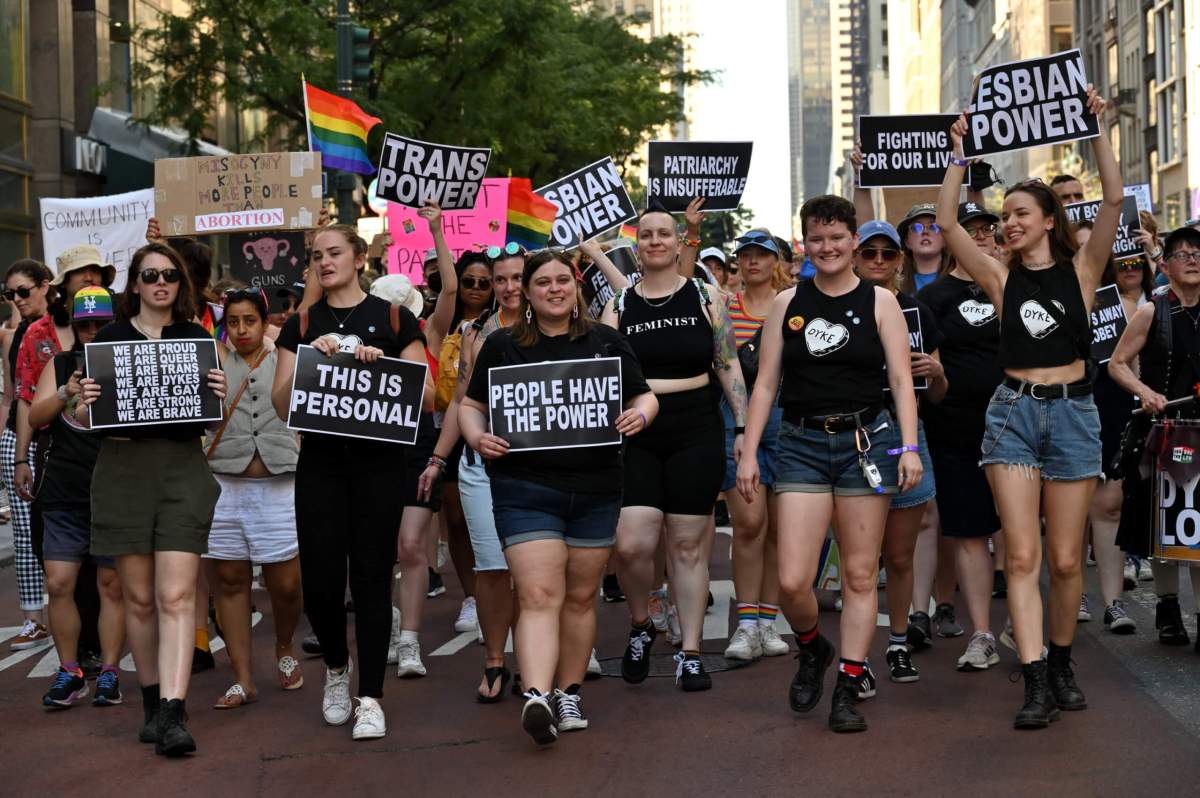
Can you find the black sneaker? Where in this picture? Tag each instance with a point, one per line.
(947, 623)
(202, 660)
(1039, 710)
(537, 718)
(568, 709)
(690, 674)
(173, 736)
(1117, 621)
(311, 646)
(67, 688)
(1168, 620)
(1067, 694)
(108, 689)
(999, 584)
(635, 664)
(900, 666)
(843, 717)
(612, 589)
(809, 681)
(920, 631)
(868, 685)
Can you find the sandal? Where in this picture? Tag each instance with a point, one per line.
(492, 674)
(235, 697)
(290, 677)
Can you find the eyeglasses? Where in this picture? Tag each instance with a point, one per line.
(473, 283)
(150, 276)
(921, 227)
(12, 293)
(253, 294)
(1182, 257)
(1131, 265)
(875, 253)
(510, 249)
(984, 229)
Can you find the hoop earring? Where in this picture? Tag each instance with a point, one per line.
(528, 315)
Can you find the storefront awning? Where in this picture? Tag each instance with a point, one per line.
(144, 142)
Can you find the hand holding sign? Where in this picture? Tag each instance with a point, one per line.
(432, 213)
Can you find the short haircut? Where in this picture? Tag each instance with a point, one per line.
(1184, 235)
(828, 208)
(1063, 179)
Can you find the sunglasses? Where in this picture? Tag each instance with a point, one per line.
(1131, 265)
(877, 253)
(983, 229)
(12, 293)
(252, 294)
(473, 283)
(921, 227)
(510, 249)
(150, 276)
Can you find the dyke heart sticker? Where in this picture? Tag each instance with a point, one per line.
(821, 337)
(977, 313)
(1036, 319)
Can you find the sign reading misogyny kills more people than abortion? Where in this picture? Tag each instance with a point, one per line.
(115, 225)
(1125, 245)
(591, 201)
(1029, 103)
(1108, 322)
(904, 151)
(153, 382)
(412, 171)
(679, 171)
(560, 404)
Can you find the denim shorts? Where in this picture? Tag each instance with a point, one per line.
(67, 535)
(1061, 437)
(926, 489)
(475, 492)
(814, 461)
(768, 449)
(527, 511)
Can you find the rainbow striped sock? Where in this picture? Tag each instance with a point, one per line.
(747, 614)
(767, 613)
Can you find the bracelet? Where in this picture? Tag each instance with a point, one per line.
(903, 449)
(963, 162)
(20, 462)
(739, 431)
(691, 242)
(435, 460)
(1156, 254)
(645, 423)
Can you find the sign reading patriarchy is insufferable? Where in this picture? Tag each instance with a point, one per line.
(218, 193)
(339, 395)
(1029, 103)
(591, 201)
(1125, 245)
(411, 172)
(1108, 322)
(557, 404)
(152, 382)
(680, 171)
(904, 151)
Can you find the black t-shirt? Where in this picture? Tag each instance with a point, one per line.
(673, 339)
(18, 334)
(594, 469)
(66, 479)
(1033, 334)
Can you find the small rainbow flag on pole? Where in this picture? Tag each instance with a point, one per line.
(530, 216)
(337, 128)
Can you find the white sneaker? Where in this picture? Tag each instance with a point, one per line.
(1145, 572)
(1129, 575)
(745, 644)
(593, 668)
(368, 720)
(408, 654)
(1085, 612)
(981, 653)
(443, 555)
(658, 609)
(467, 616)
(772, 644)
(335, 704)
(394, 640)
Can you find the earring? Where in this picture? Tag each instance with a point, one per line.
(575, 311)
(528, 315)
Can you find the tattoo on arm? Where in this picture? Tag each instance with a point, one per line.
(725, 355)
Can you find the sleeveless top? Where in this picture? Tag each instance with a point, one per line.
(672, 340)
(254, 426)
(744, 325)
(1044, 323)
(1169, 362)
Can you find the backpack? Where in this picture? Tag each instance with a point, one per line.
(447, 373)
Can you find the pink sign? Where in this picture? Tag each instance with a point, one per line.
(478, 228)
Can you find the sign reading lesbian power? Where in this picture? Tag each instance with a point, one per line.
(904, 151)
(1125, 245)
(591, 201)
(561, 404)
(153, 382)
(1108, 322)
(1029, 103)
(412, 172)
(679, 171)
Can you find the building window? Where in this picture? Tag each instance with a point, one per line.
(1169, 129)
(1113, 83)
(14, 49)
(120, 82)
(1151, 105)
(1114, 136)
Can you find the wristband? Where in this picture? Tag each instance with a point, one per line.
(691, 242)
(963, 162)
(1156, 254)
(435, 460)
(739, 431)
(903, 449)
(645, 423)
(20, 462)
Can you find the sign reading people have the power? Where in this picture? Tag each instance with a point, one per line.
(560, 404)
(904, 151)
(1029, 103)
(680, 171)
(591, 201)
(152, 382)
(1125, 245)
(411, 172)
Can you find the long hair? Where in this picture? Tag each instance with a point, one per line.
(183, 308)
(1062, 236)
(197, 259)
(525, 332)
(465, 261)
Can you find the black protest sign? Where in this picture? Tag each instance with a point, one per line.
(268, 259)
(1108, 322)
(916, 343)
(560, 404)
(153, 382)
(680, 171)
(591, 201)
(411, 172)
(1125, 245)
(596, 291)
(1029, 103)
(904, 151)
(340, 395)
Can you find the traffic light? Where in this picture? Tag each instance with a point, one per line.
(361, 71)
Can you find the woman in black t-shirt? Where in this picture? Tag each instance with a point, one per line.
(556, 510)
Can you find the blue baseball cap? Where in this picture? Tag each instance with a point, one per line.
(878, 227)
(757, 239)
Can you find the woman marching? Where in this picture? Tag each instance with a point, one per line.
(556, 510)
(829, 340)
(1041, 446)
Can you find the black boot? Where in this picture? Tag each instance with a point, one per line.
(843, 717)
(808, 683)
(1168, 620)
(173, 736)
(1039, 710)
(150, 704)
(1067, 694)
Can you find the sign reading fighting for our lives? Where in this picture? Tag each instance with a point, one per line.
(591, 201)
(412, 172)
(152, 382)
(1108, 323)
(905, 151)
(1029, 103)
(1125, 245)
(340, 395)
(680, 171)
(561, 404)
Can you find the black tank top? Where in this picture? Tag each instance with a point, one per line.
(833, 360)
(672, 340)
(1044, 323)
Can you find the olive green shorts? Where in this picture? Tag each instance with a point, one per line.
(152, 495)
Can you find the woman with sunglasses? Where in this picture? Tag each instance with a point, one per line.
(1041, 448)
(156, 528)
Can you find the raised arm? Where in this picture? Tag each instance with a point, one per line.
(1092, 256)
(1130, 345)
(615, 277)
(864, 208)
(693, 216)
(443, 313)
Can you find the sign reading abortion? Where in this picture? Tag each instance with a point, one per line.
(591, 201)
(152, 382)
(411, 172)
(680, 171)
(904, 151)
(560, 404)
(1125, 245)
(1029, 103)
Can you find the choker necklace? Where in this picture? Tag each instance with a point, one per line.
(1037, 266)
(342, 322)
(665, 300)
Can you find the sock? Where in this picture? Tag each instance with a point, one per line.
(202, 639)
(807, 638)
(407, 636)
(107, 667)
(72, 667)
(691, 655)
(767, 613)
(851, 668)
(898, 640)
(747, 614)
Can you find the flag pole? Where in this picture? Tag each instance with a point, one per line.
(307, 123)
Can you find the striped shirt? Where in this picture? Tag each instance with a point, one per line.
(744, 325)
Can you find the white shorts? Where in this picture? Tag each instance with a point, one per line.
(475, 491)
(255, 519)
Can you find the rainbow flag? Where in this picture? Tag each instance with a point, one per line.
(629, 231)
(530, 217)
(337, 128)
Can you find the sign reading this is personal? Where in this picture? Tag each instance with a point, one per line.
(412, 172)
(591, 201)
(904, 151)
(340, 395)
(152, 382)
(1029, 103)
(1108, 323)
(680, 171)
(557, 404)
(1125, 245)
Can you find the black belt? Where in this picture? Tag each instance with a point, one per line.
(840, 422)
(1053, 390)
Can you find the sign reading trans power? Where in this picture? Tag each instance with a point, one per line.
(904, 151)
(153, 382)
(680, 171)
(591, 201)
(560, 404)
(1029, 103)
(1125, 245)
(412, 172)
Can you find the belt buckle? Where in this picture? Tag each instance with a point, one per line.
(1033, 390)
(831, 420)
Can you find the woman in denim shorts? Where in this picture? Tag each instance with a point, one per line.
(1041, 444)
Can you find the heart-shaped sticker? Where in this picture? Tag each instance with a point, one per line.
(1036, 319)
(977, 313)
(821, 337)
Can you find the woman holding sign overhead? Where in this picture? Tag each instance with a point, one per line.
(556, 509)
(1041, 446)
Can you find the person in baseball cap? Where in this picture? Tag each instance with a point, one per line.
(718, 264)
(980, 224)
(925, 253)
(84, 256)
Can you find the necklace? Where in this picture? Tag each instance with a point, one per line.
(665, 300)
(1193, 313)
(342, 322)
(1036, 266)
(138, 326)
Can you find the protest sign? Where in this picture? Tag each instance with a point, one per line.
(218, 193)
(904, 151)
(1176, 517)
(475, 229)
(596, 291)
(591, 201)
(152, 382)
(680, 171)
(1125, 245)
(1025, 104)
(1141, 192)
(916, 343)
(268, 260)
(339, 395)
(115, 225)
(560, 404)
(411, 172)
(1108, 322)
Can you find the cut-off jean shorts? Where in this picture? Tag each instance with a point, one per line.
(814, 461)
(1060, 437)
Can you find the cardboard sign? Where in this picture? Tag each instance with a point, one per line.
(476, 229)
(1029, 103)
(680, 171)
(412, 171)
(591, 201)
(1176, 519)
(904, 151)
(217, 193)
(1108, 322)
(339, 395)
(153, 382)
(116, 225)
(1125, 245)
(560, 404)
(1141, 193)
(267, 260)
(597, 293)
